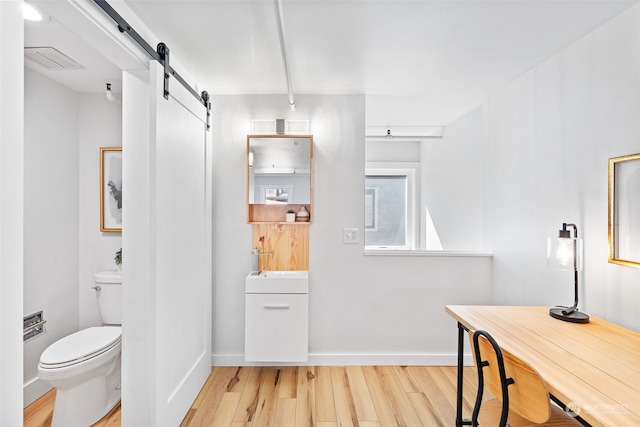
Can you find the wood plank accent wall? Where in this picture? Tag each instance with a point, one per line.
(282, 246)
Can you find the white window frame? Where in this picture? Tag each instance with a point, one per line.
(412, 171)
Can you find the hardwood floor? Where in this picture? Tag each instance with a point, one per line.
(313, 396)
(39, 413)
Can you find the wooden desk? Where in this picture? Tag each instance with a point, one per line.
(593, 367)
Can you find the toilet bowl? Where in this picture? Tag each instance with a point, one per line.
(84, 367)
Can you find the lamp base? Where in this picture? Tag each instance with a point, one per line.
(575, 317)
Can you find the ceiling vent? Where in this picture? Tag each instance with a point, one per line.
(51, 58)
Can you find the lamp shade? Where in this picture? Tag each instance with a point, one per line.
(565, 252)
(561, 254)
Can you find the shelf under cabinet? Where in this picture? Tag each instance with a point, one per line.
(279, 222)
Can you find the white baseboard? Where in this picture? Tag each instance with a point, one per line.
(33, 390)
(350, 359)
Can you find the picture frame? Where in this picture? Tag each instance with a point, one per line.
(111, 189)
(624, 210)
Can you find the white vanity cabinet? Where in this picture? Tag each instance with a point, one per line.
(277, 317)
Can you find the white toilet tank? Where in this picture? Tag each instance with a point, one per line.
(108, 293)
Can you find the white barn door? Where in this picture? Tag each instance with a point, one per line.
(181, 268)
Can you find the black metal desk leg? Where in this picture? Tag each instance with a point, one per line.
(459, 420)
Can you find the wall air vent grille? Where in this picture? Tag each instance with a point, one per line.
(50, 58)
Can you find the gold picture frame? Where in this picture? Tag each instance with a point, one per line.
(624, 210)
(111, 189)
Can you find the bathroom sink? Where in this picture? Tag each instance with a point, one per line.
(277, 282)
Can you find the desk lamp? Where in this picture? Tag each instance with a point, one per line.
(565, 253)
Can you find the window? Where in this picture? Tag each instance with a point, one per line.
(390, 204)
(276, 194)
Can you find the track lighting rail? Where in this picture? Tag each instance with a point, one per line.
(161, 54)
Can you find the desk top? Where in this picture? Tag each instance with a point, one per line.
(594, 367)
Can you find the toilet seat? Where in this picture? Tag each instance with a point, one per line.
(81, 346)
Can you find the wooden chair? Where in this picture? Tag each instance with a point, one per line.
(521, 399)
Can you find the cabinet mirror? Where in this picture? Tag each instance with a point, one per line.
(279, 171)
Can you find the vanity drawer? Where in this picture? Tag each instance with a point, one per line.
(276, 327)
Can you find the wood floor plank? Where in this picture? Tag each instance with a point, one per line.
(447, 385)
(403, 409)
(249, 398)
(188, 417)
(306, 400)
(384, 407)
(345, 406)
(325, 401)
(406, 379)
(213, 396)
(386, 370)
(424, 410)
(267, 397)
(205, 388)
(239, 380)
(223, 417)
(112, 419)
(39, 413)
(432, 391)
(365, 409)
(285, 412)
(288, 382)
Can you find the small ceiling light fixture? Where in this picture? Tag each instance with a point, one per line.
(388, 136)
(32, 13)
(110, 96)
(565, 253)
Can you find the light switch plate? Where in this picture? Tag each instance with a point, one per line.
(351, 235)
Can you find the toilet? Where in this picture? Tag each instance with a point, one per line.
(84, 367)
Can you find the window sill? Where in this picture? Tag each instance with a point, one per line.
(400, 252)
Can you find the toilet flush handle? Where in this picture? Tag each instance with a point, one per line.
(97, 288)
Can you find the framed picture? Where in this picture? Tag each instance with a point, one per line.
(111, 189)
(624, 210)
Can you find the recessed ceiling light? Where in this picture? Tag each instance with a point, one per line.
(33, 14)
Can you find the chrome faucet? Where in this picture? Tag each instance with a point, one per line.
(255, 259)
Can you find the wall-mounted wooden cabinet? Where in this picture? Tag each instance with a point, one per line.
(279, 179)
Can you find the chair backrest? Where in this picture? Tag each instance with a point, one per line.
(513, 381)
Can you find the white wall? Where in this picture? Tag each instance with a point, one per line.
(549, 135)
(392, 151)
(100, 125)
(452, 180)
(363, 309)
(64, 247)
(50, 216)
(11, 210)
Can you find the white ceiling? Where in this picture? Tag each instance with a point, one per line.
(445, 54)
(98, 70)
